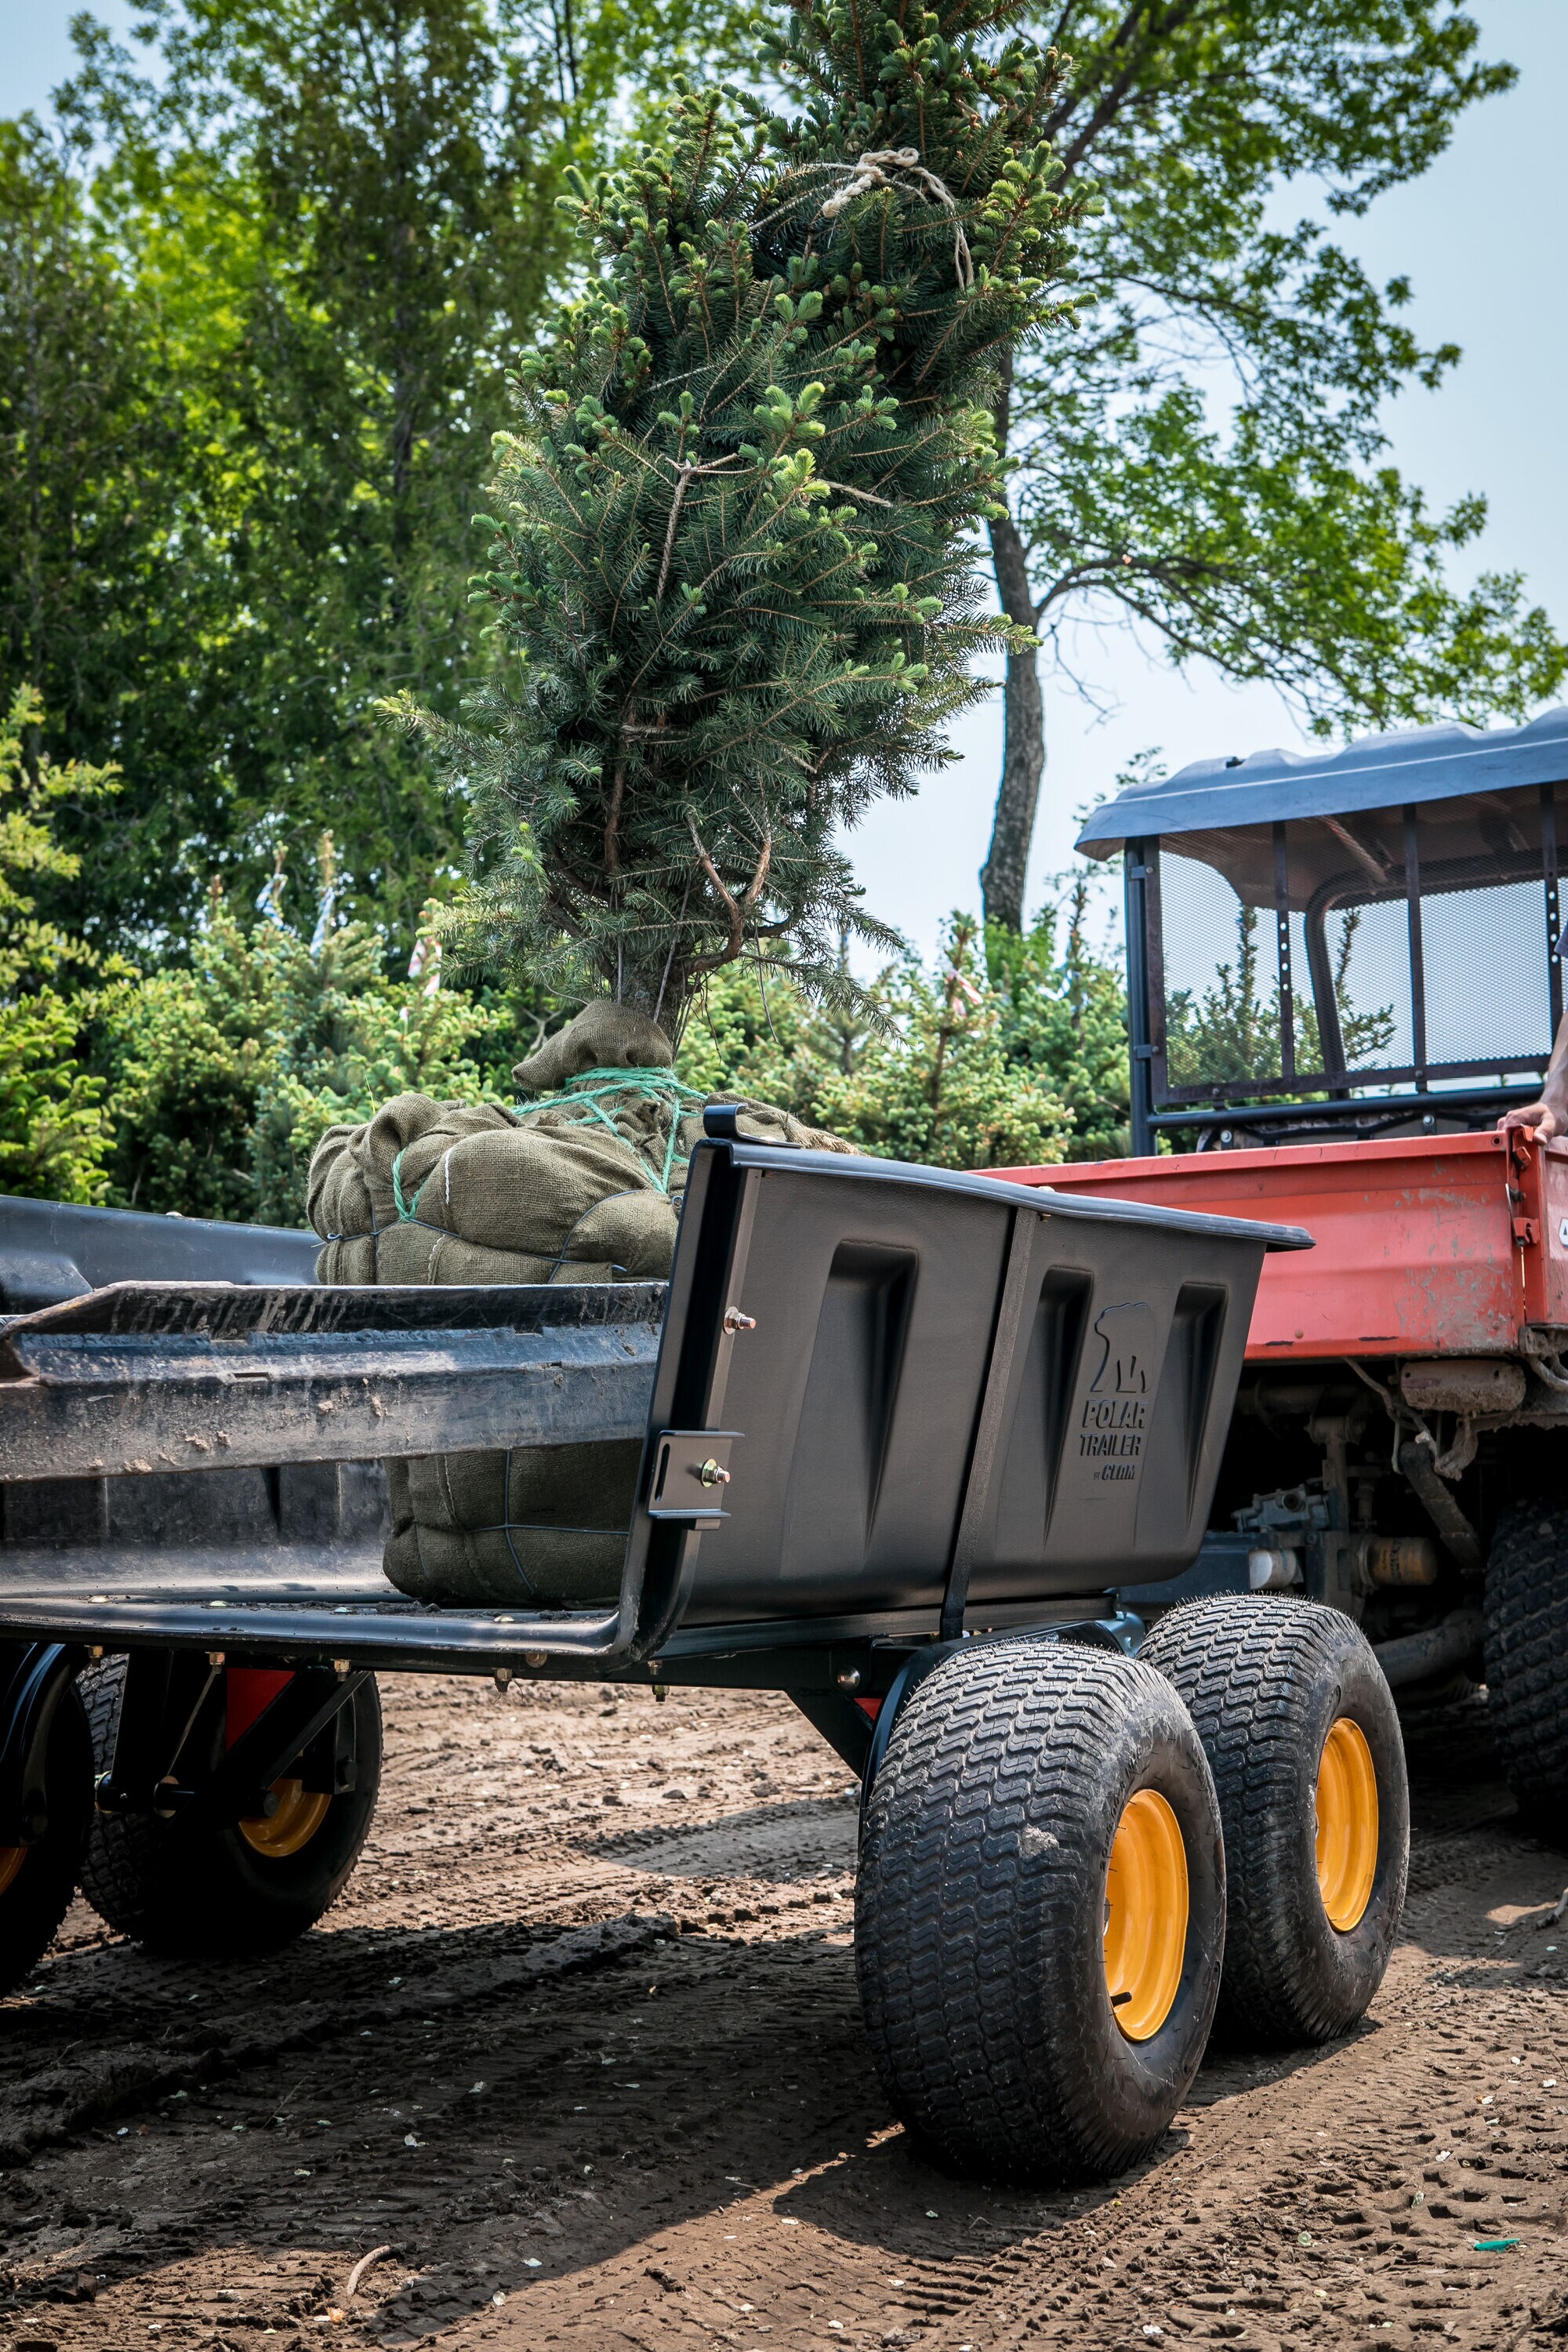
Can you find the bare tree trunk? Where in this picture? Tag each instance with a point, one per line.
(1023, 743)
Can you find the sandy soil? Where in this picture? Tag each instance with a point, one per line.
(580, 2049)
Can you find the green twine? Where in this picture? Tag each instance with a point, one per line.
(585, 1091)
(652, 1086)
(407, 1210)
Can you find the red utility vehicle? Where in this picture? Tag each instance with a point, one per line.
(1341, 971)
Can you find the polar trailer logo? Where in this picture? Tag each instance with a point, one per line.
(1115, 1407)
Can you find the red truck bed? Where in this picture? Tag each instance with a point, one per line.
(1431, 1245)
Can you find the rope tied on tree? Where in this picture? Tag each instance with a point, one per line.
(589, 1089)
(876, 169)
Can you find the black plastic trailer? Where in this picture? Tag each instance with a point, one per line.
(905, 1434)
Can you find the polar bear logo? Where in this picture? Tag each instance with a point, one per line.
(1127, 1335)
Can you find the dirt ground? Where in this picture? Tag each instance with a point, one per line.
(579, 2052)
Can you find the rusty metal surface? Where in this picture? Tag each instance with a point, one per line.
(1431, 1245)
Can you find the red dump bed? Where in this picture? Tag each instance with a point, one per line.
(1426, 1244)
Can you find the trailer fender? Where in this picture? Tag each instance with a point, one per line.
(36, 1675)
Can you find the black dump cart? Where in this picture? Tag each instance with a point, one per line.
(905, 1434)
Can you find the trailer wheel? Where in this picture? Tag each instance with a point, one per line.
(37, 1881)
(1301, 1731)
(231, 1893)
(1526, 1649)
(1040, 1911)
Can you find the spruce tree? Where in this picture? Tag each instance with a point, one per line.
(732, 535)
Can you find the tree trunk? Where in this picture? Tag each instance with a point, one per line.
(1023, 741)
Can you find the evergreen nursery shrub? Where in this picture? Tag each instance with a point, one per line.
(732, 535)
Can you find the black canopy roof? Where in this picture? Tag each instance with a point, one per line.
(1421, 765)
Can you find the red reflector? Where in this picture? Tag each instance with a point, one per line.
(246, 1690)
(869, 1707)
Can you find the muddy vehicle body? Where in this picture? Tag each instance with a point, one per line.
(1341, 971)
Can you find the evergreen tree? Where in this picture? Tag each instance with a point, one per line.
(731, 565)
(1234, 1029)
(226, 1074)
(1063, 1018)
(937, 1085)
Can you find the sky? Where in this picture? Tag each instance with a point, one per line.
(1481, 237)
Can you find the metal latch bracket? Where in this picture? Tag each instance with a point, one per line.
(690, 1471)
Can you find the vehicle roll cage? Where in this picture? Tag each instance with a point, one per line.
(1157, 1106)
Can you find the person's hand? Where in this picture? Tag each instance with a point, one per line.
(1539, 1116)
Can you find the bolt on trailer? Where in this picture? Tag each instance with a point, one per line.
(903, 1432)
(1342, 970)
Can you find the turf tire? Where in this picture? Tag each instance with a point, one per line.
(198, 1893)
(1525, 1643)
(1264, 1680)
(37, 1898)
(980, 1911)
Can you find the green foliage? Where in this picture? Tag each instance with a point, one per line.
(1207, 460)
(256, 304)
(97, 466)
(1006, 1054)
(939, 1087)
(1063, 1018)
(731, 563)
(224, 1075)
(1278, 545)
(54, 1131)
(1270, 548)
(751, 1032)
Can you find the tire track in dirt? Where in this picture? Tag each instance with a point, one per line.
(582, 2044)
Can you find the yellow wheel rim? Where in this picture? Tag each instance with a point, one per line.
(301, 1813)
(12, 1857)
(1145, 1915)
(1347, 1823)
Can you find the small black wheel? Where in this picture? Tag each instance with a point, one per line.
(1040, 1911)
(1525, 1644)
(37, 1881)
(234, 1892)
(1301, 1731)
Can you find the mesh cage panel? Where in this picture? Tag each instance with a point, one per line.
(1470, 1001)
(1369, 964)
(1221, 980)
(1487, 979)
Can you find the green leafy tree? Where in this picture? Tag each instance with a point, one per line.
(1207, 458)
(55, 1133)
(730, 559)
(101, 472)
(257, 292)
